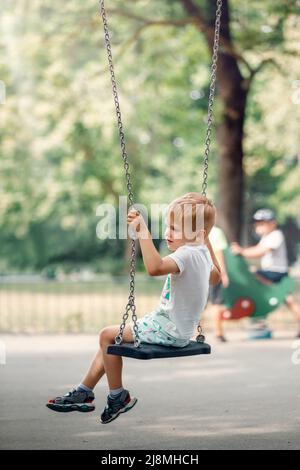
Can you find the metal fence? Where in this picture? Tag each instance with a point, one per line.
(35, 305)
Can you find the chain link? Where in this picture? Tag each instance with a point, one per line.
(212, 89)
(131, 298)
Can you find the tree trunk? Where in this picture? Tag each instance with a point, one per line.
(230, 135)
(233, 94)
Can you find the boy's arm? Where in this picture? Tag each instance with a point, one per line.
(215, 275)
(224, 275)
(154, 263)
(256, 251)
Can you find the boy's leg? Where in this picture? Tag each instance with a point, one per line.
(119, 400)
(113, 364)
(294, 307)
(80, 400)
(263, 280)
(217, 311)
(97, 368)
(95, 372)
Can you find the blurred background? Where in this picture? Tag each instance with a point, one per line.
(60, 155)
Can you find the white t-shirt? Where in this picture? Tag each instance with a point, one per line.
(276, 259)
(185, 294)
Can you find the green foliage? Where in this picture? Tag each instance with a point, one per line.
(59, 148)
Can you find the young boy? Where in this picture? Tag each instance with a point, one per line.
(272, 252)
(190, 269)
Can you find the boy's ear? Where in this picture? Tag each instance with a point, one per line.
(202, 231)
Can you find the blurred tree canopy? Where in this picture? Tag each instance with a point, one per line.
(59, 149)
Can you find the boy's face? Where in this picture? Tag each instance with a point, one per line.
(175, 232)
(264, 227)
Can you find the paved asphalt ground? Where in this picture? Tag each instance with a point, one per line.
(244, 396)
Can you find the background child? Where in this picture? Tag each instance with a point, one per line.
(190, 268)
(272, 252)
(219, 243)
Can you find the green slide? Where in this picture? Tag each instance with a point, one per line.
(246, 296)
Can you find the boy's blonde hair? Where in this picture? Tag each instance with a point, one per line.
(190, 207)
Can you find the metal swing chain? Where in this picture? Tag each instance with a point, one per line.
(131, 298)
(212, 88)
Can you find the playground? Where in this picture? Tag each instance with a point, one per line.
(243, 396)
(149, 225)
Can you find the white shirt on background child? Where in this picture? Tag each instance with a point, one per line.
(276, 259)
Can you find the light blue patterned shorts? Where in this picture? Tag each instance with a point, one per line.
(157, 328)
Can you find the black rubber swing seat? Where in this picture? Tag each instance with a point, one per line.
(156, 351)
